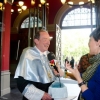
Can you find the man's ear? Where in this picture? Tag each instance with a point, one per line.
(36, 41)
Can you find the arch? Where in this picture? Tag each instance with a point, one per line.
(21, 17)
(59, 14)
(65, 9)
(83, 19)
(25, 22)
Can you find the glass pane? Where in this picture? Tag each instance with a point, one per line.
(76, 43)
(25, 23)
(79, 17)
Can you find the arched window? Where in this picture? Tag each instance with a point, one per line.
(79, 17)
(76, 27)
(25, 23)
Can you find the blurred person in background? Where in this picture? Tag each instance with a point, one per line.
(72, 62)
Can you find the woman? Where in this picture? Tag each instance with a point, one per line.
(91, 76)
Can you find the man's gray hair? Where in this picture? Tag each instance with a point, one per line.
(37, 35)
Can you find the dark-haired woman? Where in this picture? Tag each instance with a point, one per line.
(91, 90)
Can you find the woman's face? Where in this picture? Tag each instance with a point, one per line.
(93, 46)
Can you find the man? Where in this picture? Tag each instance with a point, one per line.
(34, 74)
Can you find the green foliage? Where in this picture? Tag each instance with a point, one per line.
(74, 44)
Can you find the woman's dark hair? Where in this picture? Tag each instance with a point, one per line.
(37, 35)
(96, 34)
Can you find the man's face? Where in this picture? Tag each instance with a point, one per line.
(43, 42)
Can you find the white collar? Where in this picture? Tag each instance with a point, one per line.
(42, 53)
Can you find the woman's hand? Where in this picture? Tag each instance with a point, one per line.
(74, 71)
(76, 74)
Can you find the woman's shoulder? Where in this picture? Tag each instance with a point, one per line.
(97, 73)
(98, 67)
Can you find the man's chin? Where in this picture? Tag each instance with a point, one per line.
(46, 49)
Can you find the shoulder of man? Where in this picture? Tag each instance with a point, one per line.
(30, 53)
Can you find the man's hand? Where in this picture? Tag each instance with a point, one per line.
(61, 72)
(56, 73)
(46, 96)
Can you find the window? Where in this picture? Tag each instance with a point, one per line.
(25, 23)
(79, 17)
(76, 28)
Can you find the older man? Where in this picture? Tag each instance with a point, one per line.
(34, 74)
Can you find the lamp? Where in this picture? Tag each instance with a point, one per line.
(19, 10)
(12, 10)
(39, 5)
(70, 3)
(1, 6)
(81, 3)
(63, 1)
(21, 3)
(22, 6)
(93, 1)
(47, 4)
(32, 2)
(43, 1)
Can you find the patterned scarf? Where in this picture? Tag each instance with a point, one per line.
(94, 61)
